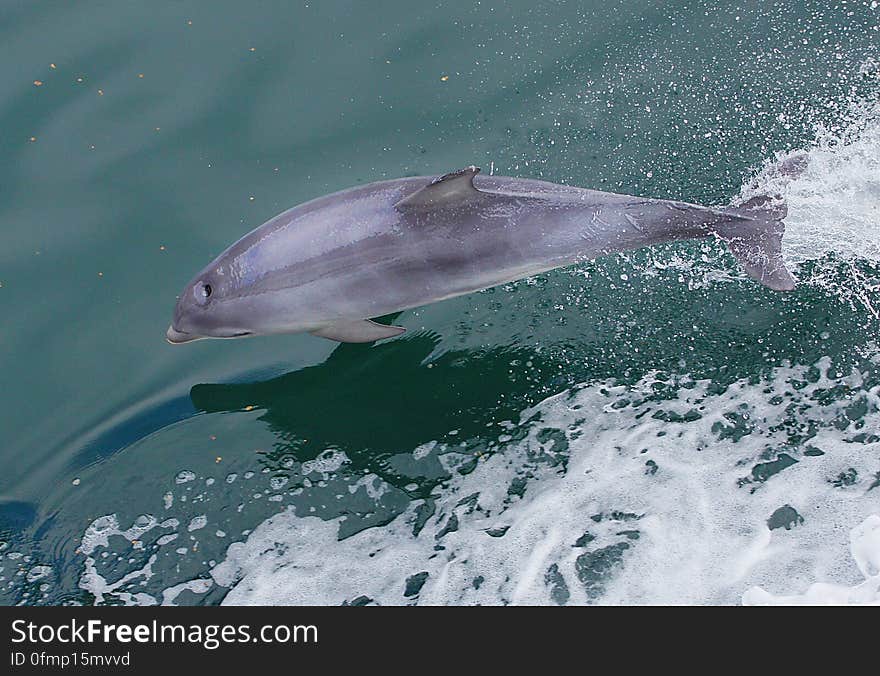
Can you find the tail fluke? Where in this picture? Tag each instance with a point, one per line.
(756, 242)
(754, 234)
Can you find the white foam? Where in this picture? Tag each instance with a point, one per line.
(199, 586)
(39, 573)
(834, 207)
(865, 548)
(197, 523)
(691, 532)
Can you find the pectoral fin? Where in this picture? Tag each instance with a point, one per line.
(357, 331)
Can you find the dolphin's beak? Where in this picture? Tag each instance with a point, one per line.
(176, 337)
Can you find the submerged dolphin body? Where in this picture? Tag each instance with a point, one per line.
(330, 264)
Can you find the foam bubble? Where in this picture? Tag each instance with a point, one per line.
(197, 523)
(865, 548)
(39, 573)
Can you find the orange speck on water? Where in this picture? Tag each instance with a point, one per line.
(38, 83)
(249, 408)
(32, 139)
(444, 78)
(218, 459)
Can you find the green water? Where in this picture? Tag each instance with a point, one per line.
(163, 131)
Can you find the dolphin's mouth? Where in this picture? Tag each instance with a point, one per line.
(176, 337)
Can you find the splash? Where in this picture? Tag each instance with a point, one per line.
(833, 226)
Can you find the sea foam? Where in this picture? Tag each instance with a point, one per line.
(616, 496)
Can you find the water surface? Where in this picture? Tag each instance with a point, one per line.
(652, 427)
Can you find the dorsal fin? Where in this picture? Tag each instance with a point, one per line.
(451, 188)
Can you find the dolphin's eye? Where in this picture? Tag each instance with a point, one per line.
(202, 293)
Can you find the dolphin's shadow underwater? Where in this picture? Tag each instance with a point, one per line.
(388, 400)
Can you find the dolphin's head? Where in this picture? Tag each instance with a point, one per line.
(210, 306)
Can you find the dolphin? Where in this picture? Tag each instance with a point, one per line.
(327, 266)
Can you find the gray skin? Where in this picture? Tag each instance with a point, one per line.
(328, 265)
